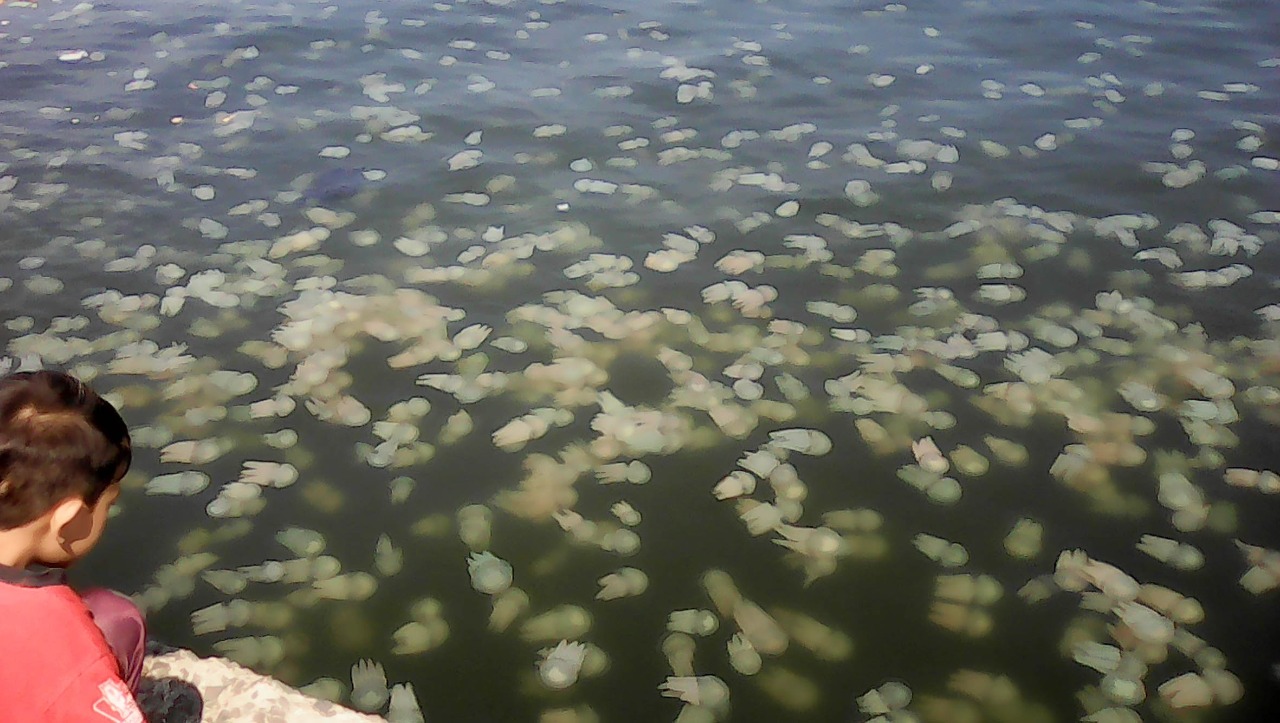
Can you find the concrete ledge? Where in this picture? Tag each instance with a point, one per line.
(235, 694)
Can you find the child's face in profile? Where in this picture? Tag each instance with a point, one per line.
(81, 534)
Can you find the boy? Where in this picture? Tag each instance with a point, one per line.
(63, 657)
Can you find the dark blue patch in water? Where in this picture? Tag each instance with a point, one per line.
(335, 184)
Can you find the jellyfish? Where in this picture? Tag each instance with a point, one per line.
(565, 621)
(1178, 555)
(351, 586)
(489, 574)
(179, 483)
(220, 616)
(418, 636)
(507, 606)
(624, 582)
(474, 526)
(404, 705)
(301, 541)
(889, 697)
(369, 686)
(678, 649)
(1186, 691)
(929, 457)
(559, 666)
(1263, 574)
(947, 554)
(387, 558)
(625, 513)
(1102, 658)
(262, 651)
(824, 641)
(760, 517)
(970, 620)
(1024, 540)
(693, 622)
(735, 484)
(1147, 624)
(707, 691)
(760, 628)
(622, 541)
(789, 689)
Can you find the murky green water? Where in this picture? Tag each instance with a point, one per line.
(231, 168)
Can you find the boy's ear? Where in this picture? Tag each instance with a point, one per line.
(67, 519)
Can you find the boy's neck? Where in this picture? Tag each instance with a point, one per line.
(17, 547)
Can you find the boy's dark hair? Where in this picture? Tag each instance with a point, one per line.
(58, 438)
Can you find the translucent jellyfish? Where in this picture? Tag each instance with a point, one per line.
(968, 462)
(1074, 571)
(929, 457)
(1263, 574)
(490, 575)
(1264, 481)
(559, 667)
(970, 620)
(1226, 687)
(735, 484)
(623, 542)
(764, 632)
(1147, 624)
(760, 517)
(889, 697)
(693, 622)
(743, 656)
(703, 690)
(1174, 605)
(943, 552)
(228, 582)
(1102, 658)
(1186, 691)
(824, 641)
(975, 589)
(1178, 555)
(1007, 452)
(625, 513)
(178, 483)
(369, 686)
(789, 689)
(194, 452)
(220, 616)
(262, 651)
(301, 541)
(565, 621)
(1024, 540)
(624, 582)
(805, 441)
(269, 474)
(507, 606)
(387, 558)
(474, 526)
(351, 586)
(404, 705)
(419, 636)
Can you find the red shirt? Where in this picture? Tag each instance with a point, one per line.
(55, 666)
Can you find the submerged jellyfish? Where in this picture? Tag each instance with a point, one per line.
(929, 457)
(404, 705)
(368, 686)
(707, 691)
(743, 656)
(335, 184)
(624, 582)
(489, 574)
(560, 665)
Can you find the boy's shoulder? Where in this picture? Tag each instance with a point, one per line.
(49, 618)
(54, 663)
